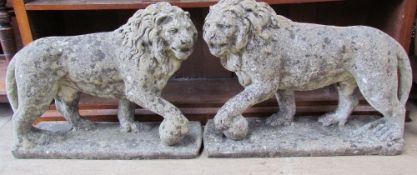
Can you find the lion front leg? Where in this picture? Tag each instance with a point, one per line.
(229, 119)
(126, 116)
(174, 126)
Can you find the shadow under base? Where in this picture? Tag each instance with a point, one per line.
(305, 137)
(106, 141)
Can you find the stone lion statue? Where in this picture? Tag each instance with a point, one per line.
(272, 55)
(132, 63)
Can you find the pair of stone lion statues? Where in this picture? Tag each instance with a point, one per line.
(270, 54)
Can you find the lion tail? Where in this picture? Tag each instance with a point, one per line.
(11, 86)
(406, 76)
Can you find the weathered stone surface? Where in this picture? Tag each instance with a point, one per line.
(107, 142)
(132, 63)
(274, 56)
(304, 137)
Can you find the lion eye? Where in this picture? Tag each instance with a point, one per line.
(173, 31)
(223, 26)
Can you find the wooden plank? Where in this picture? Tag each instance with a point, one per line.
(134, 4)
(22, 21)
(200, 113)
(406, 16)
(395, 18)
(3, 68)
(197, 93)
(201, 95)
(209, 93)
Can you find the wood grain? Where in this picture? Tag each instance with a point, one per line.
(133, 4)
(22, 21)
(202, 84)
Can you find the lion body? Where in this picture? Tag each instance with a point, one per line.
(89, 69)
(310, 56)
(132, 63)
(94, 69)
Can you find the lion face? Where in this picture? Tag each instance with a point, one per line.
(220, 34)
(180, 35)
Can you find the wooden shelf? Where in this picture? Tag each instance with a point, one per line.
(133, 4)
(206, 85)
(3, 68)
(200, 99)
(210, 93)
(201, 113)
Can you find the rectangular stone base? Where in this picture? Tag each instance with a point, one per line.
(306, 137)
(108, 142)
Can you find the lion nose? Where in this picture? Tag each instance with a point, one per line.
(211, 44)
(185, 41)
(213, 35)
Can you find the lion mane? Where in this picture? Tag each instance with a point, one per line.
(141, 33)
(257, 18)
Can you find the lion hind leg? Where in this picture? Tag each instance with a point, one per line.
(348, 100)
(34, 101)
(67, 104)
(126, 116)
(380, 91)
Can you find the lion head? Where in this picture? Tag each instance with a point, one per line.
(231, 24)
(161, 30)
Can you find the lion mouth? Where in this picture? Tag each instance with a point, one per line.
(217, 49)
(183, 49)
(217, 46)
(183, 52)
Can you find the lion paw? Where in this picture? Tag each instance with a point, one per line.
(222, 121)
(384, 131)
(278, 119)
(332, 118)
(84, 125)
(36, 136)
(130, 127)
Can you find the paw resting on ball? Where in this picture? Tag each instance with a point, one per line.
(172, 130)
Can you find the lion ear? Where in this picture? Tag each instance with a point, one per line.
(243, 35)
(163, 20)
